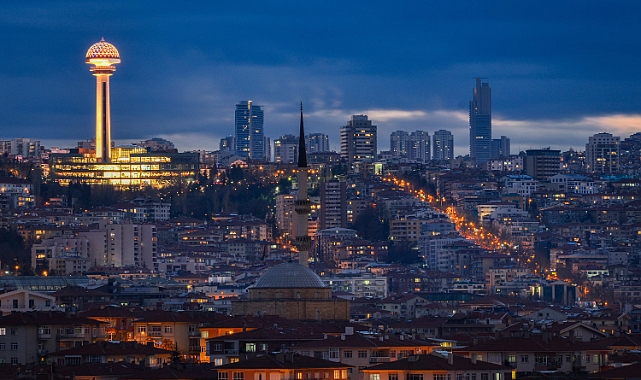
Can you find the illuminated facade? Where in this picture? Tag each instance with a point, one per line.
(103, 56)
(135, 170)
(127, 166)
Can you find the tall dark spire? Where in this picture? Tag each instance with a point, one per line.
(302, 152)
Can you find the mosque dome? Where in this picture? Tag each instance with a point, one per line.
(103, 49)
(289, 275)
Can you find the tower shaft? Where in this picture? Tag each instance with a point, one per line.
(302, 205)
(103, 116)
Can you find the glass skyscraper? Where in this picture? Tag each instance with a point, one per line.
(481, 123)
(249, 140)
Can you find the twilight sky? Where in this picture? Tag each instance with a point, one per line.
(560, 71)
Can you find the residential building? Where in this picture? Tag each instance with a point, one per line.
(283, 366)
(442, 145)
(317, 143)
(399, 143)
(227, 144)
(438, 366)
(16, 193)
(358, 140)
(542, 164)
(602, 153)
(106, 352)
(418, 146)
(333, 203)
(286, 149)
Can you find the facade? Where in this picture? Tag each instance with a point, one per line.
(283, 366)
(317, 143)
(20, 147)
(333, 211)
(286, 149)
(418, 146)
(358, 140)
(130, 171)
(439, 367)
(293, 291)
(443, 145)
(249, 138)
(481, 122)
(542, 164)
(16, 193)
(500, 147)
(398, 143)
(227, 144)
(158, 144)
(603, 152)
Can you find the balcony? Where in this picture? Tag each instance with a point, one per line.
(44, 335)
(231, 352)
(155, 333)
(379, 359)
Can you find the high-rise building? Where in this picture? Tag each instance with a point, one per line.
(500, 147)
(103, 56)
(227, 144)
(398, 143)
(358, 140)
(602, 153)
(542, 164)
(418, 146)
(317, 143)
(481, 122)
(249, 139)
(286, 149)
(333, 212)
(443, 143)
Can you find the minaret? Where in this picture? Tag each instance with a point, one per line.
(302, 204)
(103, 56)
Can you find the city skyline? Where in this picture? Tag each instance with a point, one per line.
(406, 68)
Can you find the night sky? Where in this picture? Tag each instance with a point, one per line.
(560, 71)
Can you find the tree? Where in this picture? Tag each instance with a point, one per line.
(369, 225)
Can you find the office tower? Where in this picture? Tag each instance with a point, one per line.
(398, 143)
(249, 141)
(418, 146)
(333, 195)
(227, 144)
(542, 164)
(443, 143)
(286, 149)
(317, 143)
(602, 153)
(358, 140)
(103, 56)
(302, 206)
(481, 122)
(500, 147)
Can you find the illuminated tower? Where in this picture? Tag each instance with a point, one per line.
(302, 204)
(103, 56)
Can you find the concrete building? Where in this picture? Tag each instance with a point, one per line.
(286, 149)
(399, 143)
(358, 140)
(333, 212)
(542, 164)
(500, 147)
(602, 153)
(317, 143)
(227, 144)
(418, 147)
(442, 145)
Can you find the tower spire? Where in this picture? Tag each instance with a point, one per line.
(302, 152)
